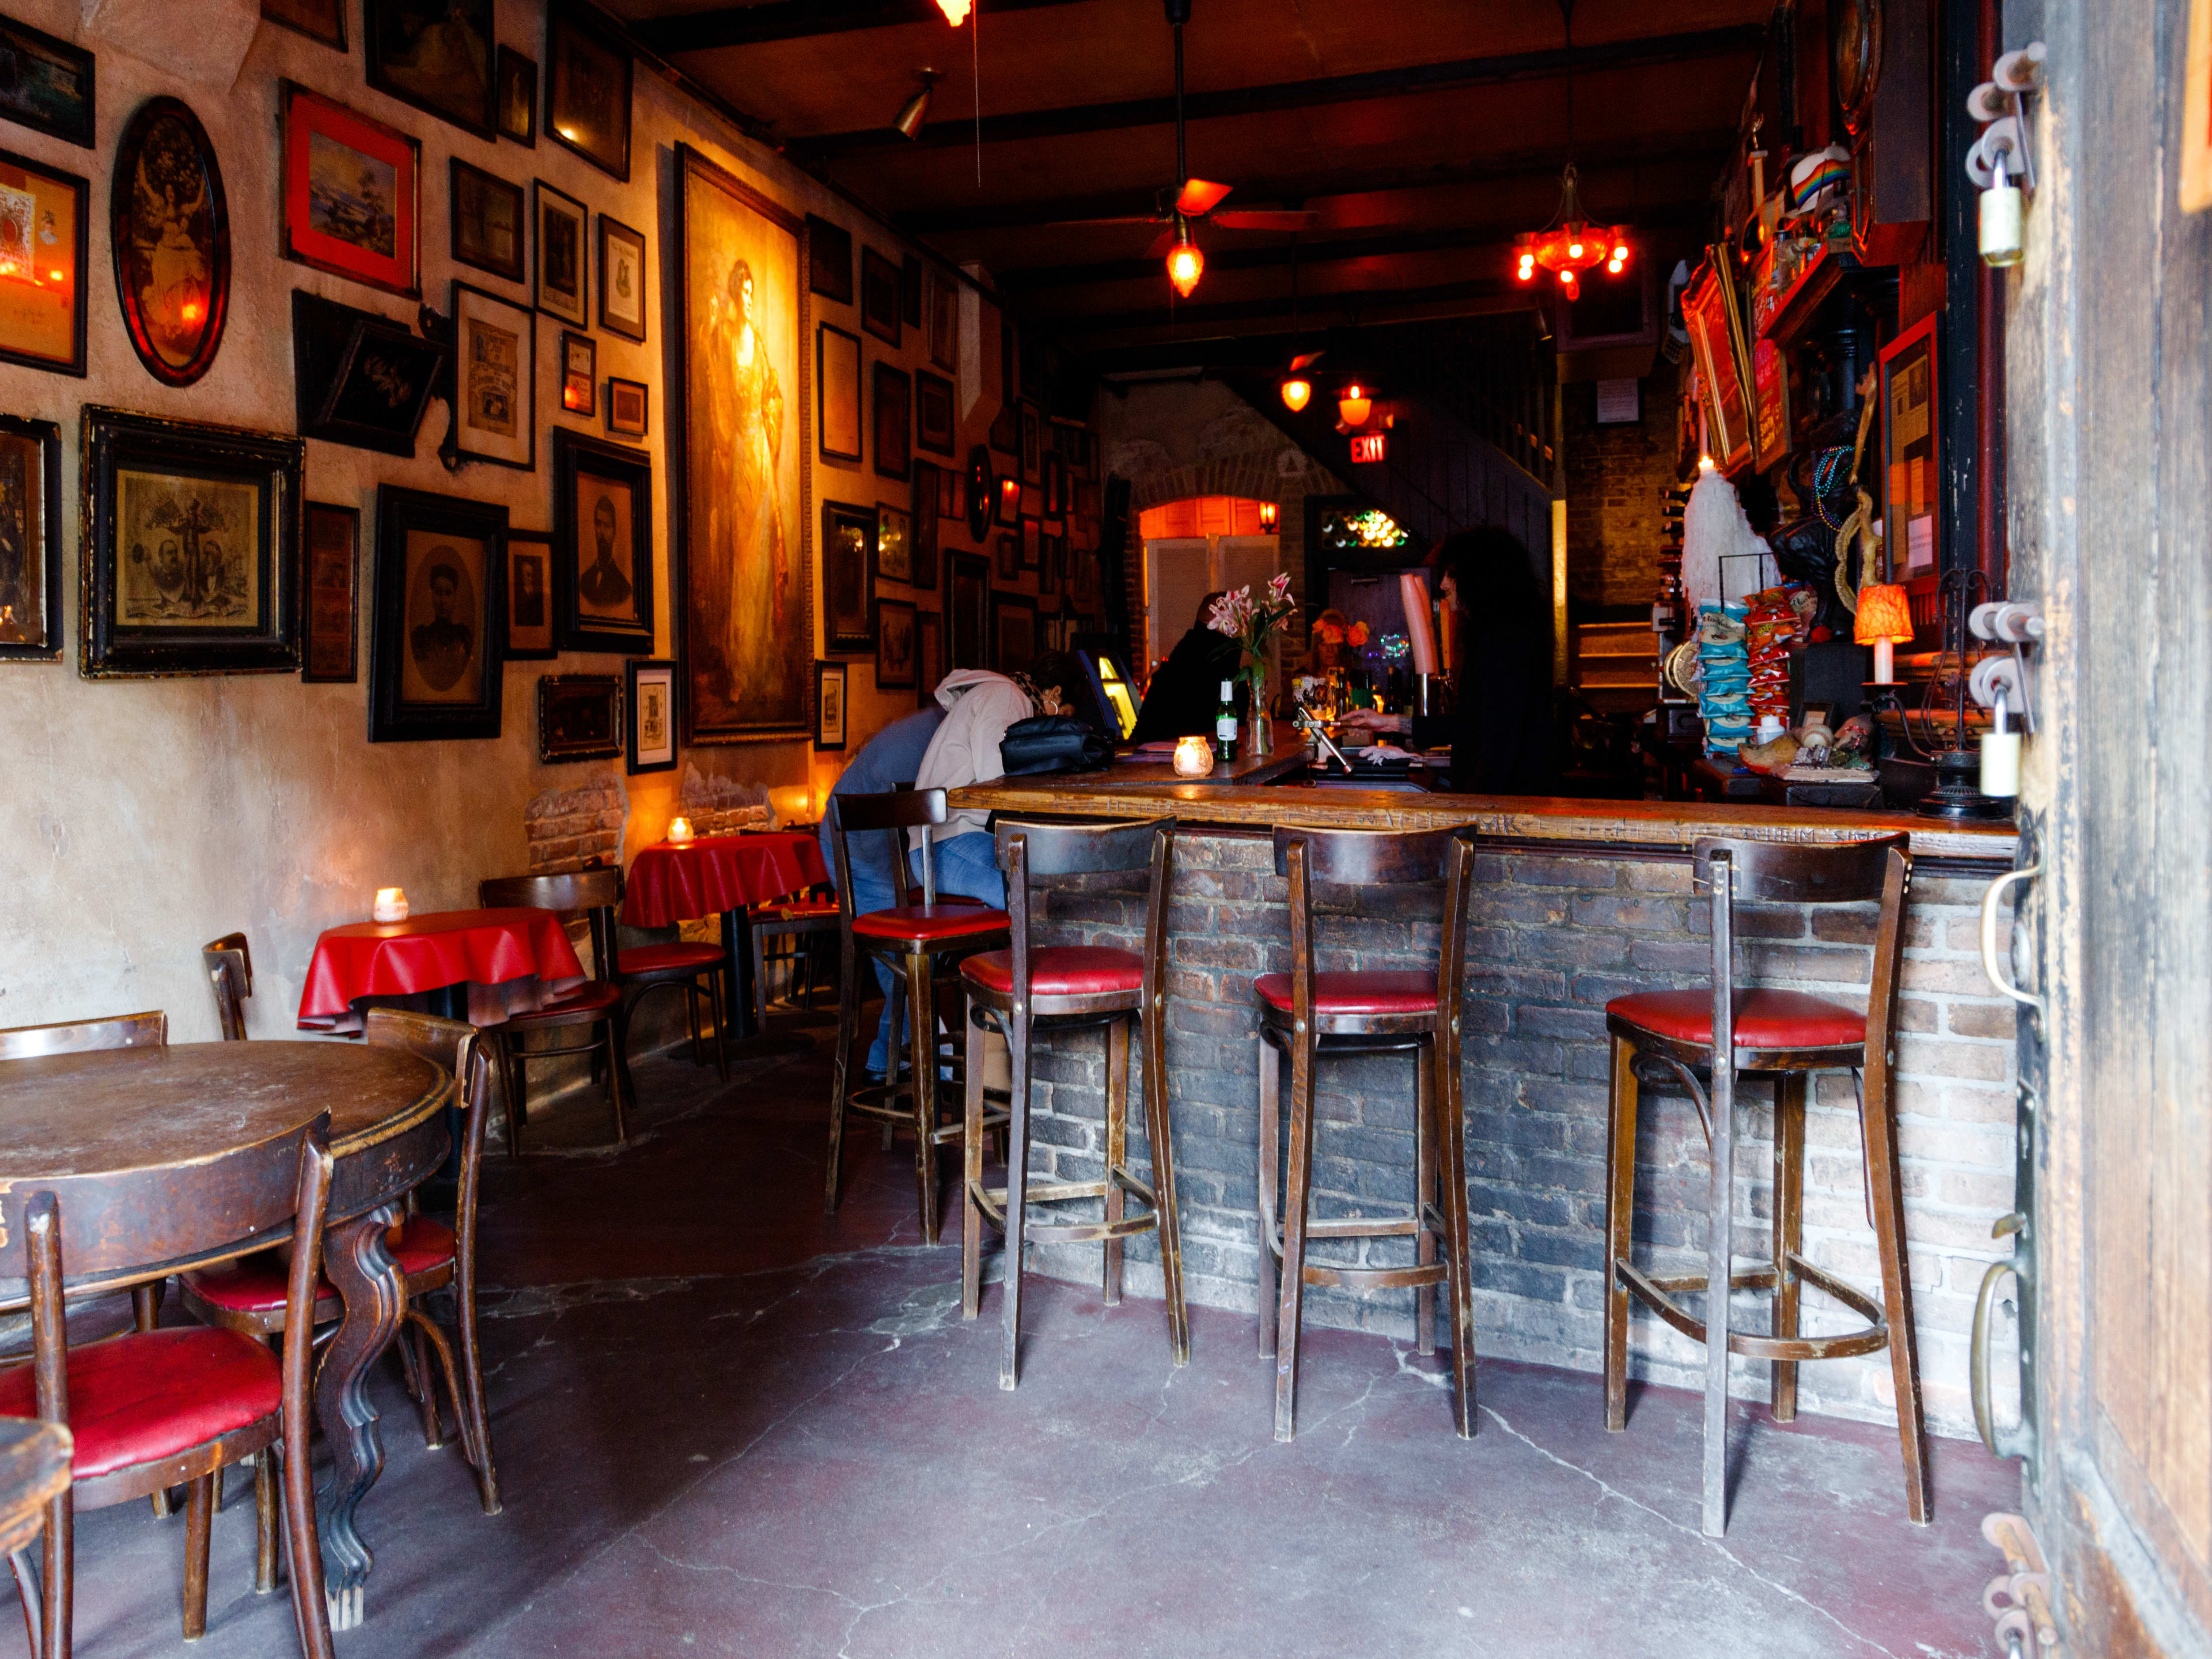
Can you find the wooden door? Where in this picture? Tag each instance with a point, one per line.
(1178, 574)
(2109, 383)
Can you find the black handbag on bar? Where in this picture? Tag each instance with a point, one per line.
(1052, 743)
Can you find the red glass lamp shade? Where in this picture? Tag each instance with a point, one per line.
(1884, 614)
(1354, 405)
(1297, 391)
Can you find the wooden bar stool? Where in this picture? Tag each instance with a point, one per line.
(597, 1007)
(1307, 1014)
(1034, 988)
(1786, 1035)
(918, 940)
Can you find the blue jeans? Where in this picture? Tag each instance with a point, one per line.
(872, 890)
(967, 864)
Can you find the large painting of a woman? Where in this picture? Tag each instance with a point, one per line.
(748, 644)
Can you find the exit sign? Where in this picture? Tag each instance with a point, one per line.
(1369, 446)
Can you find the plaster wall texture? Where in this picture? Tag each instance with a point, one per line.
(140, 819)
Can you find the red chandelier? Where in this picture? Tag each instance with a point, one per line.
(1572, 244)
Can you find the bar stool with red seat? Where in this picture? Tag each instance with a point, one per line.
(1035, 989)
(1310, 1014)
(917, 941)
(1786, 1035)
(596, 1007)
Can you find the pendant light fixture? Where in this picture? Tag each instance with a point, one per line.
(1186, 264)
(955, 11)
(1297, 393)
(913, 112)
(1570, 244)
(1298, 390)
(1354, 404)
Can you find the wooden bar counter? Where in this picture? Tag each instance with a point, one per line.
(1575, 902)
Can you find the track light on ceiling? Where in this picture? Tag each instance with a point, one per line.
(913, 112)
(955, 11)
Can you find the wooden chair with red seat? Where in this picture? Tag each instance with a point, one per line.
(1786, 1035)
(1032, 989)
(701, 971)
(596, 1007)
(1311, 1014)
(917, 941)
(249, 1296)
(802, 919)
(221, 1399)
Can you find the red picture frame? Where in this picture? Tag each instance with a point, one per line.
(341, 234)
(1717, 337)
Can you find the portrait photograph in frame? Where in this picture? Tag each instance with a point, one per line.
(438, 55)
(587, 86)
(30, 540)
(360, 378)
(747, 588)
(895, 645)
(602, 544)
(494, 399)
(169, 235)
(53, 87)
(330, 591)
(848, 557)
(435, 642)
(928, 656)
(190, 548)
(34, 330)
(837, 392)
(489, 227)
(628, 404)
(893, 412)
(829, 705)
(894, 544)
(579, 373)
(652, 726)
(829, 260)
(622, 280)
(562, 286)
(1014, 632)
(352, 194)
(967, 610)
(879, 295)
(934, 421)
(580, 717)
(518, 98)
(530, 595)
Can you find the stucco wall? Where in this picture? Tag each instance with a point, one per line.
(140, 819)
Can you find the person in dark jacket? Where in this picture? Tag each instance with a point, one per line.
(1502, 738)
(1185, 692)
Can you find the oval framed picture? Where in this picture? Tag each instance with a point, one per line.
(171, 241)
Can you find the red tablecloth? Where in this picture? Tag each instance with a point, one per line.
(428, 952)
(668, 885)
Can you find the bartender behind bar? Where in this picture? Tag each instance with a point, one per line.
(1502, 733)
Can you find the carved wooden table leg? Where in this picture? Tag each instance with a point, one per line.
(375, 1295)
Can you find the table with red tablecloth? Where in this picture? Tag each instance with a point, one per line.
(508, 960)
(721, 876)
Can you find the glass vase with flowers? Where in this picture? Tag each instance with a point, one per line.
(1254, 625)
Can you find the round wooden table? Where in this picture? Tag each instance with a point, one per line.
(163, 1159)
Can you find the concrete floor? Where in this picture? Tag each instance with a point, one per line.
(725, 1425)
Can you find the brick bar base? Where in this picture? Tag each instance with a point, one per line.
(1553, 935)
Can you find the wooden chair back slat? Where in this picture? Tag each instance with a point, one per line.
(1367, 858)
(1081, 849)
(84, 1037)
(572, 892)
(1788, 872)
(229, 965)
(893, 814)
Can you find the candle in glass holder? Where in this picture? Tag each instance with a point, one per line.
(391, 904)
(679, 831)
(1194, 757)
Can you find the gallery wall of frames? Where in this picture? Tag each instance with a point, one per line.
(433, 411)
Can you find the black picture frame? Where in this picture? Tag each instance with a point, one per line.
(69, 357)
(837, 406)
(1032, 544)
(880, 302)
(622, 255)
(529, 616)
(359, 377)
(1053, 556)
(392, 27)
(1010, 555)
(936, 429)
(324, 21)
(891, 420)
(910, 289)
(150, 478)
(31, 517)
(473, 196)
(641, 752)
(892, 560)
(1032, 448)
(828, 260)
(167, 128)
(402, 516)
(848, 590)
(580, 717)
(329, 589)
(630, 407)
(928, 656)
(967, 610)
(1013, 621)
(515, 103)
(928, 487)
(895, 645)
(560, 227)
(483, 386)
(579, 373)
(586, 618)
(58, 97)
(585, 61)
(831, 708)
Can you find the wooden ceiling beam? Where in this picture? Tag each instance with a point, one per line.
(1023, 126)
(1315, 308)
(797, 20)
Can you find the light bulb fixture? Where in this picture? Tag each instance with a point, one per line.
(1571, 244)
(1354, 404)
(955, 11)
(1297, 391)
(1271, 517)
(1186, 264)
(913, 112)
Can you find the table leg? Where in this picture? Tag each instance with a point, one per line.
(738, 973)
(375, 1295)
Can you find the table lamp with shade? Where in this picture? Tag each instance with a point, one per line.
(1884, 621)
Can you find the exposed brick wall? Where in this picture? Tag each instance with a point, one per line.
(1616, 475)
(568, 828)
(721, 806)
(1553, 935)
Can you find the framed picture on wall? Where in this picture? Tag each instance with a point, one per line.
(1013, 631)
(587, 86)
(928, 488)
(318, 20)
(352, 191)
(627, 403)
(933, 428)
(52, 88)
(879, 296)
(170, 241)
(837, 393)
(928, 656)
(894, 544)
(434, 644)
(518, 97)
(1911, 453)
(1010, 555)
(967, 612)
(622, 280)
(894, 422)
(487, 220)
(580, 372)
(1032, 448)
(49, 335)
(190, 548)
(447, 70)
(829, 260)
(602, 544)
(848, 538)
(494, 378)
(530, 595)
(562, 283)
(1709, 313)
(580, 717)
(895, 645)
(30, 524)
(1032, 543)
(330, 590)
(360, 378)
(829, 705)
(652, 726)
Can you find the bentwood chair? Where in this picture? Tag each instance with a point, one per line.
(230, 965)
(1311, 1014)
(1785, 1035)
(916, 940)
(1033, 989)
(597, 1007)
(701, 971)
(801, 919)
(221, 1398)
